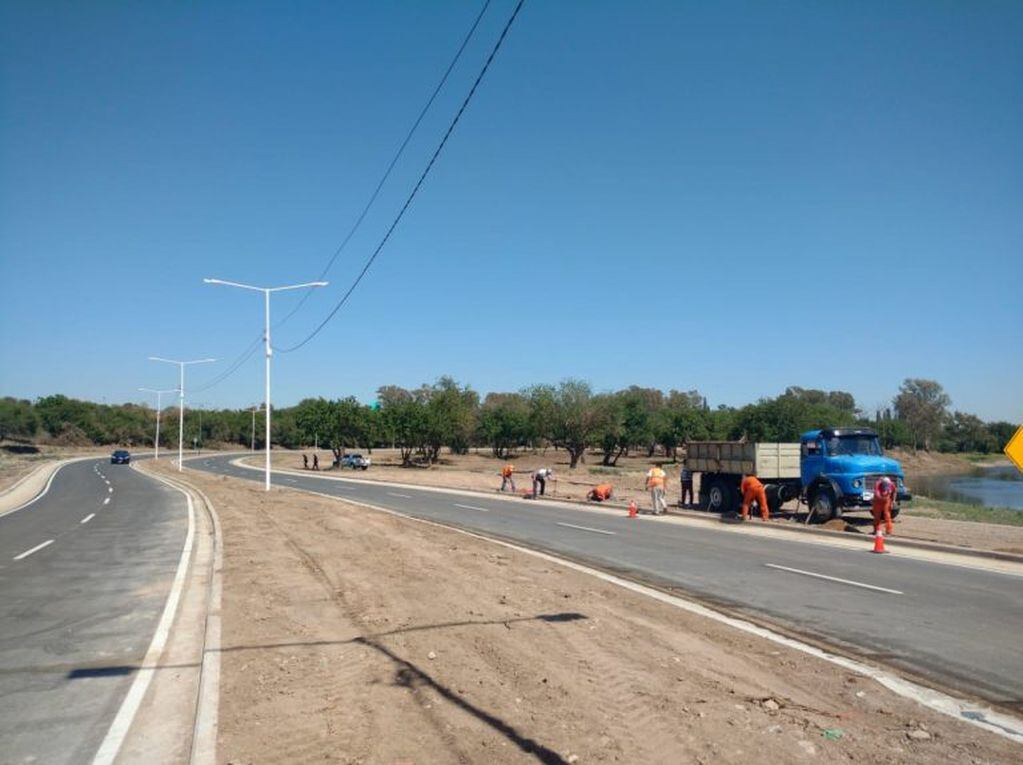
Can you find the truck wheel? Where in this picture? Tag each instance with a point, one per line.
(824, 505)
(895, 511)
(717, 497)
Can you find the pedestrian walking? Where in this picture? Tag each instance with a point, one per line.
(686, 478)
(655, 478)
(753, 491)
(540, 478)
(316, 461)
(507, 478)
(305, 461)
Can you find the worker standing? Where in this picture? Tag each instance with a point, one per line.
(881, 507)
(686, 477)
(540, 481)
(655, 478)
(506, 477)
(753, 491)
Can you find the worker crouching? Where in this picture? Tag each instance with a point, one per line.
(881, 506)
(753, 491)
(600, 493)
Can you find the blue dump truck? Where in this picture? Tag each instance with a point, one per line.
(830, 470)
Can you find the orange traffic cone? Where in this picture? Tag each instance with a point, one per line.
(633, 510)
(879, 542)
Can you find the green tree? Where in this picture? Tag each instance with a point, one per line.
(18, 420)
(567, 415)
(504, 422)
(923, 406)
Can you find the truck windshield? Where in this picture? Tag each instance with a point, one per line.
(854, 445)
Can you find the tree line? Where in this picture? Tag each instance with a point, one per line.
(423, 421)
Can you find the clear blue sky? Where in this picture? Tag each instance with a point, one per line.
(733, 196)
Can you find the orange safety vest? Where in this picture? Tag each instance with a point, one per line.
(603, 491)
(655, 477)
(507, 470)
(751, 483)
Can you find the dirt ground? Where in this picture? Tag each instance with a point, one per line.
(354, 636)
(479, 472)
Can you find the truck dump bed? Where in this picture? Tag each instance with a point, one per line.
(764, 460)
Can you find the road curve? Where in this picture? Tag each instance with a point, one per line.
(958, 627)
(84, 574)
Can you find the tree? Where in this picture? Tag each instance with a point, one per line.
(18, 420)
(567, 416)
(968, 433)
(403, 417)
(923, 406)
(504, 422)
(684, 418)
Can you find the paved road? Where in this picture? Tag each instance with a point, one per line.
(77, 614)
(958, 626)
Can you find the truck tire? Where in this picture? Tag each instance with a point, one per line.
(895, 511)
(824, 505)
(718, 500)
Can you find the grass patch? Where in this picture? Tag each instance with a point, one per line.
(926, 507)
(604, 470)
(979, 458)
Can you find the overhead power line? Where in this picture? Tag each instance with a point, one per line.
(394, 161)
(251, 349)
(415, 190)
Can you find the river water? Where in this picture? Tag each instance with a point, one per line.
(1000, 486)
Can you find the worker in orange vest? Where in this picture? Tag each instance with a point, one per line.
(506, 477)
(753, 490)
(600, 493)
(655, 478)
(881, 507)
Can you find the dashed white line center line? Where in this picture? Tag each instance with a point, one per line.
(110, 490)
(473, 507)
(586, 528)
(833, 579)
(395, 494)
(88, 518)
(35, 549)
(106, 501)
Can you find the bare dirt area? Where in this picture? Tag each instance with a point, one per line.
(351, 635)
(480, 472)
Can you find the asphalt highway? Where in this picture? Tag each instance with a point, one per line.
(957, 626)
(85, 572)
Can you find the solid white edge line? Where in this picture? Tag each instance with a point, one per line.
(112, 742)
(833, 579)
(982, 717)
(88, 518)
(471, 507)
(204, 730)
(586, 528)
(35, 549)
(38, 496)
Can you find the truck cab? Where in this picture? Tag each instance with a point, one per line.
(839, 467)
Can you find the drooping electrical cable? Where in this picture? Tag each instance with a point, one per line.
(394, 161)
(344, 298)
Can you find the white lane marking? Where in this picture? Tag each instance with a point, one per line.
(106, 501)
(586, 528)
(88, 518)
(106, 481)
(473, 507)
(833, 579)
(110, 490)
(144, 674)
(396, 494)
(35, 549)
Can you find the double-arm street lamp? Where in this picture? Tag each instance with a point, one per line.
(266, 339)
(181, 398)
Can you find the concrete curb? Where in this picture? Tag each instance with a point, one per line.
(34, 485)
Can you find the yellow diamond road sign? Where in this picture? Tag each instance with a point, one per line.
(1014, 449)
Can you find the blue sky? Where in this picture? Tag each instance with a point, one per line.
(734, 196)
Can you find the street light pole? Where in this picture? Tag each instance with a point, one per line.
(255, 408)
(159, 408)
(268, 348)
(181, 399)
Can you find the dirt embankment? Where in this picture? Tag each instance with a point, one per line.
(922, 463)
(354, 636)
